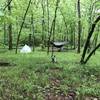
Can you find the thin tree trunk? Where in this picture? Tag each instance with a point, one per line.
(22, 25)
(91, 53)
(64, 19)
(90, 23)
(52, 29)
(79, 25)
(17, 24)
(5, 33)
(9, 2)
(75, 27)
(71, 37)
(10, 27)
(10, 36)
(50, 34)
(32, 23)
(74, 40)
(54, 21)
(48, 24)
(88, 39)
(43, 24)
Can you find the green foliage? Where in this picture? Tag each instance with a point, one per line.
(33, 73)
(68, 9)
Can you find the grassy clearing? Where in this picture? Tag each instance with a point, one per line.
(34, 73)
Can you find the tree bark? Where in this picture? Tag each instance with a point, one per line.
(79, 25)
(10, 27)
(43, 23)
(88, 39)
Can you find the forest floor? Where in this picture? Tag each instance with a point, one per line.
(33, 76)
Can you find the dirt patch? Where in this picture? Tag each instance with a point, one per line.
(60, 96)
(55, 69)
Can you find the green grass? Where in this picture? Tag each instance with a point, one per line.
(33, 72)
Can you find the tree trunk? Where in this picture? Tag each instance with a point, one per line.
(5, 33)
(32, 23)
(88, 39)
(52, 29)
(43, 23)
(79, 25)
(54, 22)
(64, 19)
(91, 53)
(74, 41)
(10, 27)
(22, 25)
(9, 2)
(90, 23)
(48, 24)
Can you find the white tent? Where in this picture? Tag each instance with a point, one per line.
(26, 49)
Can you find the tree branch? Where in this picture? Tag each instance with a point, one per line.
(7, 5)
(88, 38)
